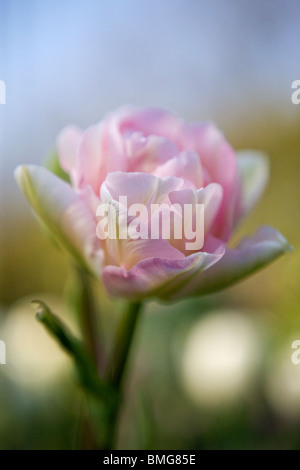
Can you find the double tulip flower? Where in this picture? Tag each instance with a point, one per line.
(152, 157)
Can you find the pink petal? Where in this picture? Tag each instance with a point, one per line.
(252, 254)
(99, 154)
(146, 153)
(219, 160)
(133, 251)
(186, 165)
(142, 188)
(210, 197)
(149, 121)
(67, 146)
(156, 276)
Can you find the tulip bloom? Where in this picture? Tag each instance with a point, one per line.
(152, 157)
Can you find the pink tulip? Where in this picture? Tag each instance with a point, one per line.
(152, 157)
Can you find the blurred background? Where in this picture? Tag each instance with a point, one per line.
(206, 373)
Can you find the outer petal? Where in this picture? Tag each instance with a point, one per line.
(67, 146)
(64, 213)
(219, 160)
(156, 277)
(90, 158)
(100, 152)
(254, 170)
(252, 254)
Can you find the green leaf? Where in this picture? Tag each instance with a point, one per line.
(85, 366)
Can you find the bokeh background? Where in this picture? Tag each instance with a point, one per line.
(205, 373)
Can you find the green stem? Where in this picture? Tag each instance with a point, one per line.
(88, 316)
(107, 418)
(123, 340)
(117, 365)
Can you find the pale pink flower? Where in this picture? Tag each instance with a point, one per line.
(151, 156)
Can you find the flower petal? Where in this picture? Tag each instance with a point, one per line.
(219, 160)
(67, 143)
(64, 213)
(252, 254)
(91, 163)
(148, 121)
(143, 188)
(138, 250)
(99, 153)
(186, 165)
(254, 170)
(157, 277)
(146, 153)
(210, 197)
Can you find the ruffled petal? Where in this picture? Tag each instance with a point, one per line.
(186, 165)
(210, 197)
(158, 277)
(146, 153)
(148, 121)
(142, 188)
